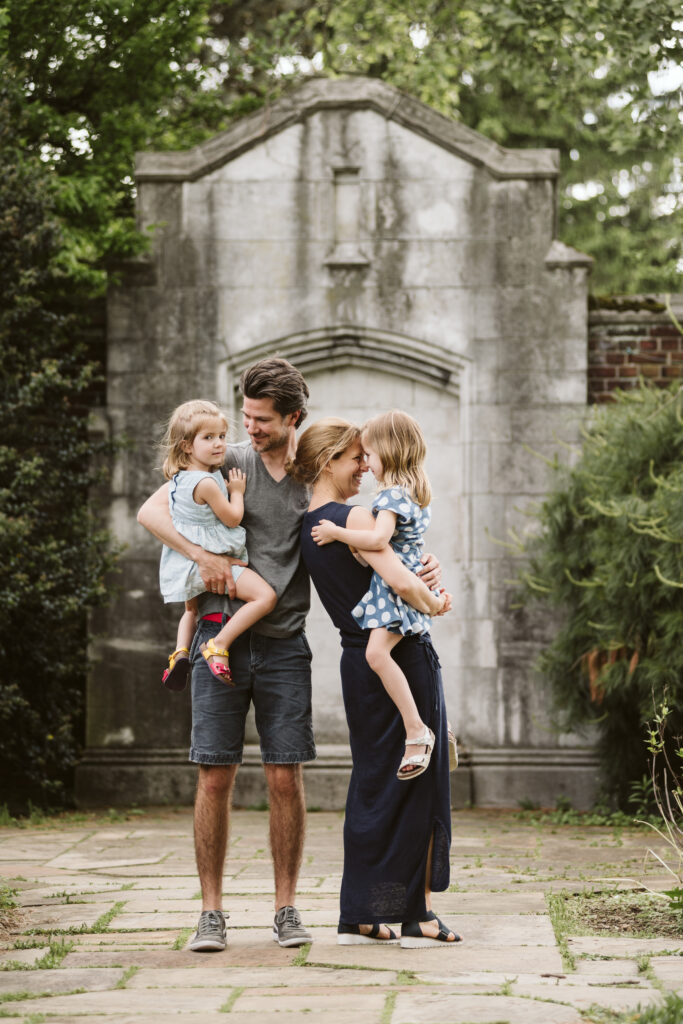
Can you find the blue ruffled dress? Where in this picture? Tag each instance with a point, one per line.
(380, 606)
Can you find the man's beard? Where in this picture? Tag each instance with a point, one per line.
(271, 444)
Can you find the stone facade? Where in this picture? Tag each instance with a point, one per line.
(398, 259)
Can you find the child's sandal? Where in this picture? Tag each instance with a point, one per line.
(418, 763)
(220, 670)
(452, 749)
(176, 675)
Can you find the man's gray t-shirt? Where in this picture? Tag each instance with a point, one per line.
(273, 510)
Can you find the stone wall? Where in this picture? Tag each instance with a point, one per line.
(398, 259)
(635, 337)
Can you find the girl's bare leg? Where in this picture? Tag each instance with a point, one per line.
(378, 656)
(259, 598)
(187, 626)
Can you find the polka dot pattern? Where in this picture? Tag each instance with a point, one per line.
(380, 606)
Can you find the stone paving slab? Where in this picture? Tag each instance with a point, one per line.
(462, 957)
(95, 979)
(229, 976)
(669, 970)
(606, 945)
(508, 968)
(436, 1008)
(56, 918)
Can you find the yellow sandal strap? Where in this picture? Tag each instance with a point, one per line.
(213, 651)
(172, 657)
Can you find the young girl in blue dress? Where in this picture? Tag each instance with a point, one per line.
(207, 512)
(395, 451)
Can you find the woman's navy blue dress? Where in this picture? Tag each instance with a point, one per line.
(388, 823)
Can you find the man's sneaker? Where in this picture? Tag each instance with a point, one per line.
(288, 929)
(210, 934)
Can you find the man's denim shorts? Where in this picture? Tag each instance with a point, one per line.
(274, 673)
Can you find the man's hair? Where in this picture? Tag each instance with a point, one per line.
(277, 379)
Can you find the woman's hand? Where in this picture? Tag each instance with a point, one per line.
(446, 605)
(324, 532)
(430, 573)
(236, 482)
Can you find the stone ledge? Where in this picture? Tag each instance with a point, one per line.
(485, 778)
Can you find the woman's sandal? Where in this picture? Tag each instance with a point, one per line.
(421, 761)
(351, 935)
(221, 670)
(412, 936)
(452, 749)
(176, 675)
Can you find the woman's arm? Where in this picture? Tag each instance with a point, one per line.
(369, 540)
(214, 569)
(395, 574)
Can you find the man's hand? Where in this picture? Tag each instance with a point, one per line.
(324, 532)
(237, 482)
(430, 573)
(216, 572)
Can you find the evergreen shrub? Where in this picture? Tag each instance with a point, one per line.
(609, 557)
(53, 557)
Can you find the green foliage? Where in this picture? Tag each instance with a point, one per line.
(669, 1011)
(97, 82)
(609, 557)
(54, 559)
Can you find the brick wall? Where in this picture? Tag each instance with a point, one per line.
(627, 343)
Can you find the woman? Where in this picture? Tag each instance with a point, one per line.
(396, 838)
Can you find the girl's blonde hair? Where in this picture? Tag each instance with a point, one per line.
(398, 441)
(183, 426)
(318, 445)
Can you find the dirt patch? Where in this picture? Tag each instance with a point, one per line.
(637, 913)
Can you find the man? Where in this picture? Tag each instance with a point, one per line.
(270, 663)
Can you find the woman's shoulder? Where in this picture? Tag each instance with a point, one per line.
(336, 511)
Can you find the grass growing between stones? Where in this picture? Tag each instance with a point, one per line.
(231, 1000)
(670, 1011)
(54, 956)
(388, 1009)
(561, 922)
(182, 938)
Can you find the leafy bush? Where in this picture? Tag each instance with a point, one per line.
(53, 558)
(609, 557)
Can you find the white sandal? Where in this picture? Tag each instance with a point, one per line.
(420, 760)
(452, 749)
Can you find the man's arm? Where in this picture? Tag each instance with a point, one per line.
(395, 574)
(214, 569)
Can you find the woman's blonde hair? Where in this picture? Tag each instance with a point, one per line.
(400, 445)
(183, 426)
(318, 445)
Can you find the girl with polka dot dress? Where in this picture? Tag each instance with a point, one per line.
(395, 452)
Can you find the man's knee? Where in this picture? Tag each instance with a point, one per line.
(285, 781)
(215, 781)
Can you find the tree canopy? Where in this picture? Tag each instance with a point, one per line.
(598, 79)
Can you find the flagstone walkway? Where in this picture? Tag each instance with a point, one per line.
(108, 906)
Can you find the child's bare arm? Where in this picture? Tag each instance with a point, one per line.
(207, 492)
(366, 540)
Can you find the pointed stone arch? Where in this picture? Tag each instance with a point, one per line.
(327, 348)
